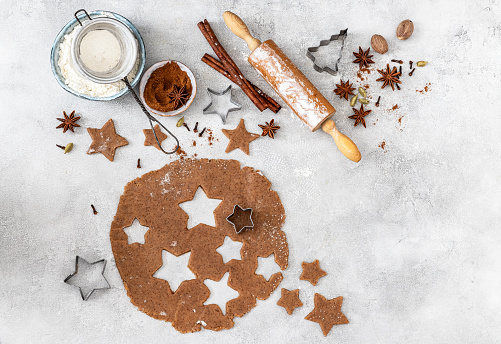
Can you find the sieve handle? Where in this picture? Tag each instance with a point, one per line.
(82, 10)
(152, 119)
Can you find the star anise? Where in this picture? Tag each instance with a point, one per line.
(179, 96)
(389, 77)
(359, 115)
(69, 122)
(269, 129)
(343, 90)
(363, 58)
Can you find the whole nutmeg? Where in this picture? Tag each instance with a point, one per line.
(379, 44)
(405, 29)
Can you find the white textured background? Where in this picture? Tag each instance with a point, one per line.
(411, 237)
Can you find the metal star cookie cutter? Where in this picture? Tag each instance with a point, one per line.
(241, 210)
(222, 114)
(86, 297)
(339, 37)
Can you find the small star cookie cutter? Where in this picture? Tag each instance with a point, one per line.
(86, 297)
(218, 111)
(239, 227)
(309, 52)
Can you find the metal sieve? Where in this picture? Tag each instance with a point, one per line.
(128, 57)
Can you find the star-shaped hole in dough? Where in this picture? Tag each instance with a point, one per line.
(135, 232)
(290, 300)
(312, 272)
(267, 266)
(200, 209)
(327, 313)
(149, 138)
(239, 138)
(88, 277)
(174, 269)
(230, 250)
(221, 104)
(105, 140)
(220, 292)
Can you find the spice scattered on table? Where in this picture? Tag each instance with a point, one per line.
(94, 211)
(379, 44)
(405, 29)
(139, 163)
(344, 89)
(180, 122)
(421, 63)
(269, 129)
(410, 64)
(186, 126)
(378, 99)
(389, 77)
(353, 100)
(412, 71)
(195, 130)
(359, 115)
(202, 132)
(68, 122)
(397, 61)
(168, 88)
(363, 58)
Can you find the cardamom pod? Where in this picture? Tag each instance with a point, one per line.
(68, 148)
(361, 90)
(180, 122)
(363, 101)
(353, 100)
(421, 63)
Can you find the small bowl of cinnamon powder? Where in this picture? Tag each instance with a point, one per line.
(168, 88)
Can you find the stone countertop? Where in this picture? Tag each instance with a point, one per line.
(409, 236)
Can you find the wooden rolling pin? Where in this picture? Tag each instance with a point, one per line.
(292, 86)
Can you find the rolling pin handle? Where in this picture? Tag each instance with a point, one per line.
(343, 142)
(238, 27)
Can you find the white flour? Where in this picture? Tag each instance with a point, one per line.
(80, 84)
(100, 50)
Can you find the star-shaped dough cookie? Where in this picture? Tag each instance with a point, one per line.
(239, 138)
(149, 138)
(327, 313)
(290, 300)
(312, 272)
(105, 140)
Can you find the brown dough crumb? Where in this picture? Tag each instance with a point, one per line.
(149, 138)
(290, 300)
(105, 140)
(239, 138)
(327, 313)
(312, 272)
(154, 200)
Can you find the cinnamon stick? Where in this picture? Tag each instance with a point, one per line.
(218, 66)
(230, 66)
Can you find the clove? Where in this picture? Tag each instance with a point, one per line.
(139, 163)
(412, 71)
(378, 99)
(186, 126)
(397, 61)
(93, 209)
(195, 130)
(202, 132)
